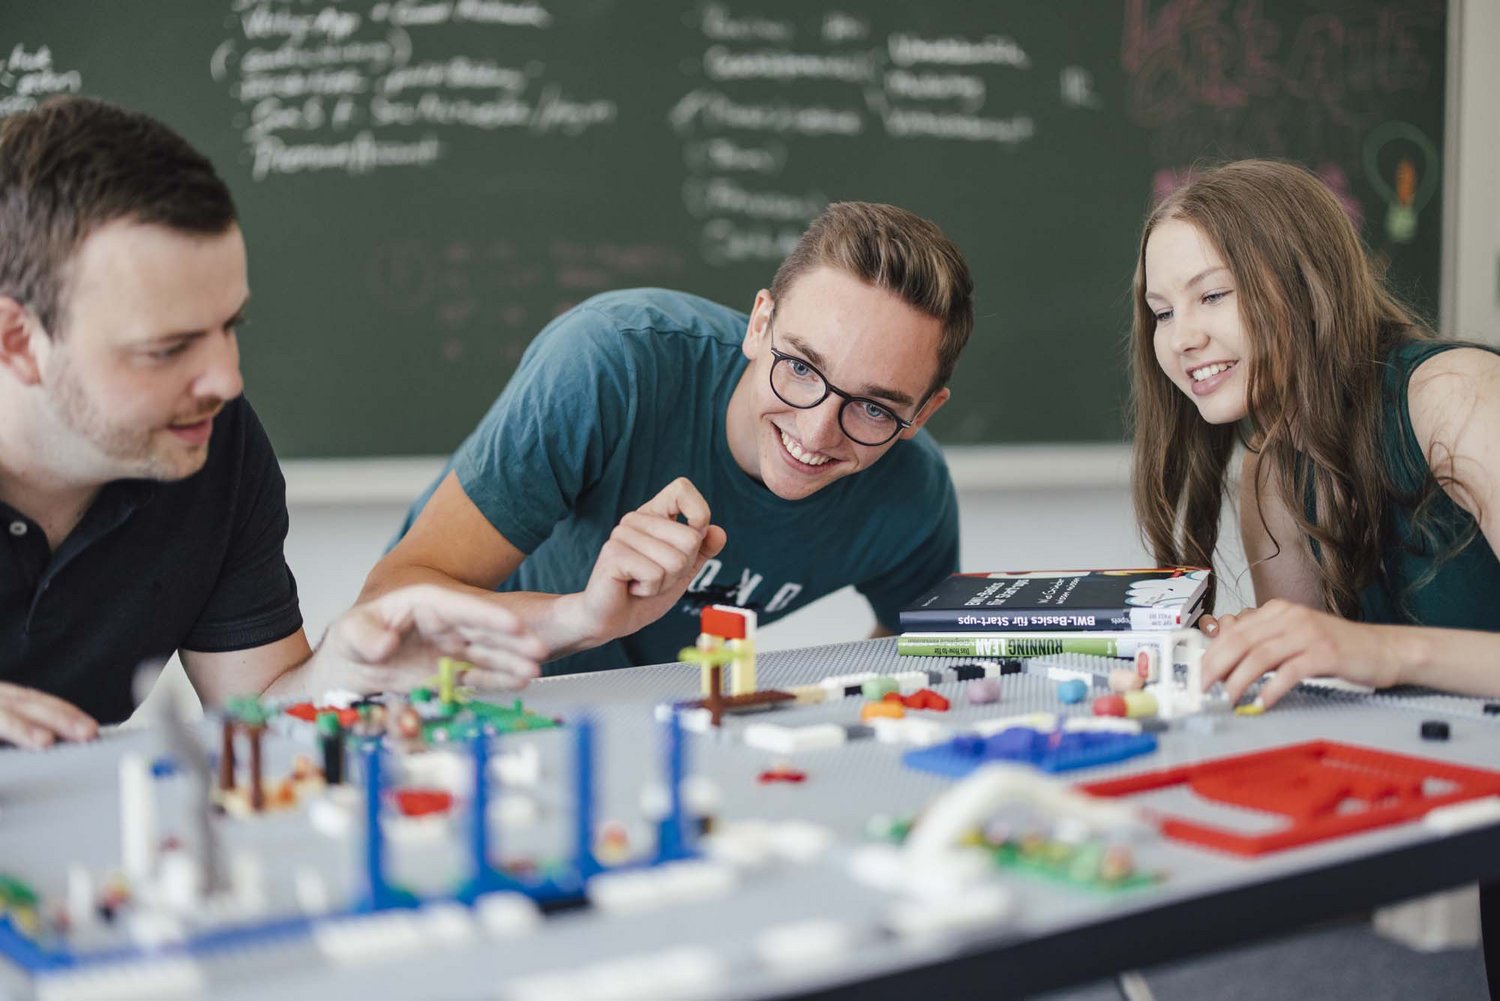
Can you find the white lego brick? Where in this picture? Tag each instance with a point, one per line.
(453, 773)
(938, 875)
(809, 695)
(447, 924)
(311, 891)
(911, 731)
(742, 843)
(779, 739)
(247, 883)
(519, 765)
(1102, 724)
(80, 897)
(936, 917)
(507, 914)
(333, 812)
(1463, 816)
(700, 795)
(801, 946)
(1432, 924)
(153, 929)
(878, 865)
(515, 810)
(800, 841)
(696, 720)
(358, 940)
(138, 837)
(425, 831)
(675, 883)
(149, 980)
(697, 879)
(179, 883)
(338, 698)
(686, 973)
(626, 891)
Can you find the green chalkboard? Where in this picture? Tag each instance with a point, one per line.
(423, 183)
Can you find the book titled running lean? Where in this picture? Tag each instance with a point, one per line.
(1012, 601)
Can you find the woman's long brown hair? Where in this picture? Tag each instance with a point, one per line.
(1319, 327)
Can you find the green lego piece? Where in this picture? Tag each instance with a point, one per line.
(878, 688)
(328, 724)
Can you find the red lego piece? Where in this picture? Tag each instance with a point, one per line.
(926, 698)
(1321, 788)
(782, 773)
(922, 698)
(308, 713)
(1109, 705)
(422, 802)
(721, 622)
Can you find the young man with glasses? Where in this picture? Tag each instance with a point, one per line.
(655, 451)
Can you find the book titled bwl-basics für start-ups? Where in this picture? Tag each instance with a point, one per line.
(1159, 598)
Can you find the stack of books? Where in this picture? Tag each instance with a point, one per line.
(1034, 613)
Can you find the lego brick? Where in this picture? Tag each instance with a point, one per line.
(980, 907)
(911, 731)
(779, 739)
(1462, 816)
(147, 980)
(507, 914)
(970, 672)
(1048, 750)
(636, 890)
(363, 938)
(805, 945)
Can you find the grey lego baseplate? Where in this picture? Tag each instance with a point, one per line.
(61, 808)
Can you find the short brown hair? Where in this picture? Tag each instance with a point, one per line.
(73, 164)
(897, 251)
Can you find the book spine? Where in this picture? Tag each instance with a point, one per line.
(940, 645)
(979, 621)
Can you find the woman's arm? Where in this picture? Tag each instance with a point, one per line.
(1454, 401)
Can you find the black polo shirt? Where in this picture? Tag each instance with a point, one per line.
(195, 564)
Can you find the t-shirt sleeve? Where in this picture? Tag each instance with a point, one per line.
(254, 600)
(933, 558)
(553, 430)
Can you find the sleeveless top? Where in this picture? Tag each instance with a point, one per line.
(1464, 591)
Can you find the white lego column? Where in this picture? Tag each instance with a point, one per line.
(80, 896)
(744, 681)
(137, 820)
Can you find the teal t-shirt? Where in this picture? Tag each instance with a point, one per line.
(627, 391)
(1465, 591)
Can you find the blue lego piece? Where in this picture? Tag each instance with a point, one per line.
(673, 841)
(1072, 691)
(1048, 750)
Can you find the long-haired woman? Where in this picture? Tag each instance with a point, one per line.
(1369, 499)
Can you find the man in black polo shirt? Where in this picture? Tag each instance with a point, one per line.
(141, 507)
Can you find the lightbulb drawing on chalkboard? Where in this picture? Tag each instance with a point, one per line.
(1405, 184)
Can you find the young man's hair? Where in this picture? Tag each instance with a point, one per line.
(897, 251)
(74, 164)
(1319, 327)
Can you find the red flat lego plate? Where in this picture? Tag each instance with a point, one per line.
(1321, 788)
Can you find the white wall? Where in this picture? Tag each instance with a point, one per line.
(1471, 260)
